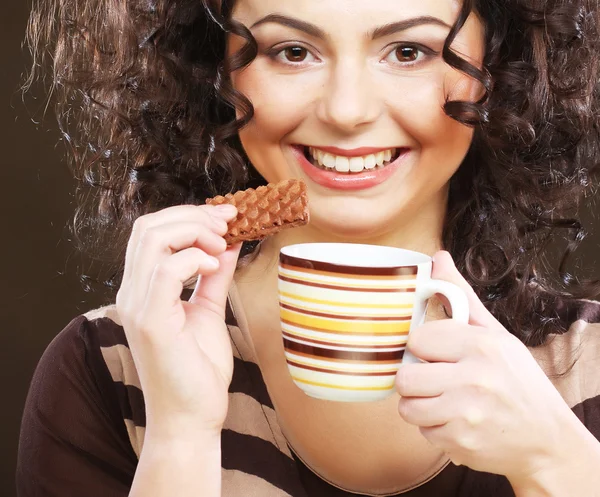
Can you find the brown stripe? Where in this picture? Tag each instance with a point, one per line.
(345, 317)
(268, 462)
(349, 346)
(346, 288)
(347, 355)
(308, 356)
(386, 277)
(334, 332)
(339, 268)
(345, 373)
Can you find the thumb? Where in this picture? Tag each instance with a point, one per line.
(445, 269)
(212, 289)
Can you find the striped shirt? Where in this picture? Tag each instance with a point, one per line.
(84, 420)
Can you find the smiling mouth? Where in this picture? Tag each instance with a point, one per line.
(342, 164)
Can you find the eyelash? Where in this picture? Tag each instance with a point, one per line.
(275, 53)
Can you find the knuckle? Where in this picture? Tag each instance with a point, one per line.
(487, 345)
(141, 324)
(165, 270)
(415, 340)
(140, 224)
(403, 380)
(150, 237)
(484, 383)
(473, 416)
(404, 408)
(121, 298)
(468, 443)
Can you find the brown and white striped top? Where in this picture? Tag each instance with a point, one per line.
(84, 420)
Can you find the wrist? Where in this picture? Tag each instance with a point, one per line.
(181, 430)
(571, 469)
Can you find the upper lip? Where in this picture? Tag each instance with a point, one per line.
(353, 152)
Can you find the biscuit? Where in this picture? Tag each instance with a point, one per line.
(265, 210)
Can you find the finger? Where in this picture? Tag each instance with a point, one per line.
(212, 290)
(168, 277)
(444, 269)
(161, 241)
(425, 379)
(455, 442)
(423, 411)
(444, 340)
(214, 216)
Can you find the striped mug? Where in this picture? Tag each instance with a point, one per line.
(346, 312)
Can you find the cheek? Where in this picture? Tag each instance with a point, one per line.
(278, 107)
(419, 109)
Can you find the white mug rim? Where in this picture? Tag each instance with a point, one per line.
(323, 249)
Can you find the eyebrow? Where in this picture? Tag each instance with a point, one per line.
(381, 31)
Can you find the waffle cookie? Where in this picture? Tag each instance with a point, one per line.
(265, 210)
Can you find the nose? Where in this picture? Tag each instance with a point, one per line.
(350, 98)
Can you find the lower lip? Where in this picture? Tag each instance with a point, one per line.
(347, 181)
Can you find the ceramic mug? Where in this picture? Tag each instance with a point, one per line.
(346, 313)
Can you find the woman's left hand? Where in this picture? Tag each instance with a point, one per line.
(481, 396)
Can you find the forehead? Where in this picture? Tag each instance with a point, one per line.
(354, 12)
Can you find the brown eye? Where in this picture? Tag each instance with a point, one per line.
(407, 54)
(295, 54)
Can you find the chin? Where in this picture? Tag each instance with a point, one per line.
(350, 227)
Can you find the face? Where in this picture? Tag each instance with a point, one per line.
(348, 96)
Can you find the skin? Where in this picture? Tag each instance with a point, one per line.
(467, 403)
(349, 90)
(352, 91)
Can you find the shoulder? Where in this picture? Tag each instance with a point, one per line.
(572, 361)
(75, 349)
(91, 354)
(73, 434)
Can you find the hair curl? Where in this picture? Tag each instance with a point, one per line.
(146, 109)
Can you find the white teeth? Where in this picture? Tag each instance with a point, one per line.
(357, 164)
(329, 161)
(351, 164)
(342, 164)
(370, 161)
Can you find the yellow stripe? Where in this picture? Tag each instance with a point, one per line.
(375, 285)
(345, 342)
(345, 304)
(327, 324)
(335, 370)
(342, 387)
(361, 316)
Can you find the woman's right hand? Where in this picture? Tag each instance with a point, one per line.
(181, 350)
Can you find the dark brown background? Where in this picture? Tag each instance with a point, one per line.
(39, 283)
(40, 289)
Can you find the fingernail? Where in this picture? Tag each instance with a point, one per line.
(225, 210)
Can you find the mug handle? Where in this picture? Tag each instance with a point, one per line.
(459, 303)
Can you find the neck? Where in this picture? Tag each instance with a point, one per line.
(421, 233)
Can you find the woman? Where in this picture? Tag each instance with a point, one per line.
(468, 131)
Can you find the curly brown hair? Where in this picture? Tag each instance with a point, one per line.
(146, 109)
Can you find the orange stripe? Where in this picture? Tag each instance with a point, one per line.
(400, 331)
(344, 341)
(342, 387)
(344, 304)
(367, 327)
(351, 317)
(345, 372)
